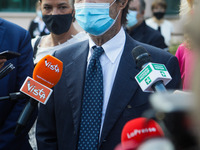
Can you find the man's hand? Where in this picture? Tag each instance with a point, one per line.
(2, 61)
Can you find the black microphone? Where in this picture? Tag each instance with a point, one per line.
(6, 70)
(46, 75)
(27, 113)
(13, 96)
(143, 58)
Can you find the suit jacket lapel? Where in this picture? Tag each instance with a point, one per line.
(75, 72)
(123, 89)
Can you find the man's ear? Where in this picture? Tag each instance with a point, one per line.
(40, 3)
(73, 15)
(143, 12)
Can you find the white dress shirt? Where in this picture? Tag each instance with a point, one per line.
(43, 51)
(166, 29)
(109, 62)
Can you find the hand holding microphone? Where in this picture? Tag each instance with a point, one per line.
(4, 56)
(2, 61)
(46, 75)
(6, 70)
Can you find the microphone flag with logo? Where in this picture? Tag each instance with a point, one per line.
(46, 75)
(48, 71)
(140, 129)
(153, 76)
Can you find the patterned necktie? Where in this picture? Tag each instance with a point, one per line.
(92, 104)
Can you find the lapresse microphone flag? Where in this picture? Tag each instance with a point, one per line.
(138, 130)
(46, 74)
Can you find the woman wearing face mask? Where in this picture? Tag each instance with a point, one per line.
(58, 16)
(158, 22)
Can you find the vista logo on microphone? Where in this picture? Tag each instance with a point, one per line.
(51, 66)
(36, 90)
(48, 71)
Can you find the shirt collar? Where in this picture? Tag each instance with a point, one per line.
(111, 48)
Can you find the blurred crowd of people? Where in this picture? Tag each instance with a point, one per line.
(97, 93)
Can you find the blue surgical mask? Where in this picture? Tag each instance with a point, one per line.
(94, 18)
(39, 13)
(131, 18)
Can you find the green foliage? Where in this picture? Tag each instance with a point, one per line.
(173, 48)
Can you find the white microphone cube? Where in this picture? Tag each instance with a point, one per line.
(150, 74)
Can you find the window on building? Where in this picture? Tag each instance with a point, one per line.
(173, 7)
(17, 5)
(29, 6)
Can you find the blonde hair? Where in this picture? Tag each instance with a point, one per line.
(193, 35)
(161, 3)
(186, 7)
(186, 11)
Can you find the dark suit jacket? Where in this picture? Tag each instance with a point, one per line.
(14, 38)
(148, 35)
(58, 122)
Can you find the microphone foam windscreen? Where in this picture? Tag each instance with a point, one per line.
(140, 129)
(141, 56)
(48, 71)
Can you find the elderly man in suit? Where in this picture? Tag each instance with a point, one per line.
(97, 93)
(138, 29)
(17, 39)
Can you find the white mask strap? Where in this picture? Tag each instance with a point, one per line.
(112, 3)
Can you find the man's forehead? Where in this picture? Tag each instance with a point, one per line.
(56, 2)
(93, 1)
(134, 4)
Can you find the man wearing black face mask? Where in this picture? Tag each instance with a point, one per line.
(58, 17)
(158, 22)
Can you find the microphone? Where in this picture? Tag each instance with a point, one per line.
(139, 130)
(13, 96)
(6, 70)
(46, 75)
(157, 144)
(176, 108)
(153, 76)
